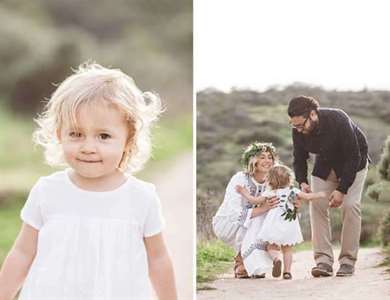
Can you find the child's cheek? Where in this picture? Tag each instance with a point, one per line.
(70, 150)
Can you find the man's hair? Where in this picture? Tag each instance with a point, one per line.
(302, 105)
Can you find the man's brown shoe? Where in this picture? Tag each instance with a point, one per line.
(322, 270)
(345, 270)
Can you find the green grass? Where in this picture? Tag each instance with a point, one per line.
(306, 245)
(172, 137)
(212, 258)
(9, 224)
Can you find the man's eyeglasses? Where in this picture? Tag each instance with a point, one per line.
(301, 126)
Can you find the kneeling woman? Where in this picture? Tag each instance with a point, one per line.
(237, 220)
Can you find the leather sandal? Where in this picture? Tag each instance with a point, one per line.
(287, 275)
(277, 268)
(239, 268)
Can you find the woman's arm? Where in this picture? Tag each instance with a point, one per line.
(266, 206)
(18, 262)
(160, 268)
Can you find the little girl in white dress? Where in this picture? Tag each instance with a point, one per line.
(92, 231)
(281, 226)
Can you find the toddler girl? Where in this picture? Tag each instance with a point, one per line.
(92, 231)
(280, 227)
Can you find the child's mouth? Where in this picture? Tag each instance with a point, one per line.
(89, 161)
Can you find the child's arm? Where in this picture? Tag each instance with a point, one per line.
(244, 192)
(311, 196)
(18, 262)
(160, 268)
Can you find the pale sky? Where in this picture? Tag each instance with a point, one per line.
(342, 44)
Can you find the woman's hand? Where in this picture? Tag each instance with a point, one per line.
(270, 203)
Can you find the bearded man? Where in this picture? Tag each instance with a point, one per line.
(340, 168)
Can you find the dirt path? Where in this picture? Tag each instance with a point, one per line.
(174, 186)
(369, 282)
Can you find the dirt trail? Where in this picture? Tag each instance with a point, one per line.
(174, 186)
(369, 282)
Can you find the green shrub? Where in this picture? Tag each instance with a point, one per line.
(384, 164)
(374, 191)
(35, 57)
(372, 177)
(384, 230)
(379, 191)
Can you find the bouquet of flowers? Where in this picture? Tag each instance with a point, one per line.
(290, 213)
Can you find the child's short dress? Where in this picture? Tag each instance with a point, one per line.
(90, 244)
(275, 228)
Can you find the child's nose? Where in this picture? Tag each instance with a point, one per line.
(88, 146)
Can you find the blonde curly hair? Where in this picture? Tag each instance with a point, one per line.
(280, 176)
(94, 84)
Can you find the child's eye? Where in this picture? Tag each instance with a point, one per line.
(104, 136)
(74, 134)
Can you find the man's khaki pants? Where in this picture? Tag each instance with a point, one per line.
(351, 219)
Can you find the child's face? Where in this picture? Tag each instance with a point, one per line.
(264, 162)
(94, 149)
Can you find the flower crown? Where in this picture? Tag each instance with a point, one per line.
(256, 148)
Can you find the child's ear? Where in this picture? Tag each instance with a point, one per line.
(129, 143)
(58, 133)
(128, 146)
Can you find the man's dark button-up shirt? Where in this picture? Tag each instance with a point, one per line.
(337, 143)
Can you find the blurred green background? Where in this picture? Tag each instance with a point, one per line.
(43, 40)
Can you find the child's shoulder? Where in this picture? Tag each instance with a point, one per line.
(136, 184)
(141, 190)
(57, 177)
(49, 185)
(286, 190)
(269, 193)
